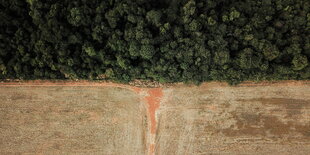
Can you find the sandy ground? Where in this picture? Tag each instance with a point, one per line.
(42, 117)
(248, 119)
(71, 120)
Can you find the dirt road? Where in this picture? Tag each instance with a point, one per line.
(40, 117)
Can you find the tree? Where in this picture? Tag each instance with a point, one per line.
(248, 59)
(300, 62)
(169, 41)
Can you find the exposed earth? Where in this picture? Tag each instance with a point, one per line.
(41, 117)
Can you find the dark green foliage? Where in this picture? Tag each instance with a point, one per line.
(248, 59)
(300, 62)
(167, 41)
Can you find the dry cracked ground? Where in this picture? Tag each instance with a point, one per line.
(40, 117)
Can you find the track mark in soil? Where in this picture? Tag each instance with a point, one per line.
(153, 100)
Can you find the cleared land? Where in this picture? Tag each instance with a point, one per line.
(100, 118)
(70, 120)
(248, 119)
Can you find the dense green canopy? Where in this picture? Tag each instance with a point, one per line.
(162, 40)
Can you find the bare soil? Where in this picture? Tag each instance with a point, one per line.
(246, 119)
(70, 120)
(83, 117)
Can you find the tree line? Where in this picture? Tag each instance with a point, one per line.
(165, 41)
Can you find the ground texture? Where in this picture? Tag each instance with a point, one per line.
(40, 117)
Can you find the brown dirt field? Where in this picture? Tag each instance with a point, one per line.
(67, 117)
(246, 119)
(71, 120)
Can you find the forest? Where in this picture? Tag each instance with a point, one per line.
(160, 40)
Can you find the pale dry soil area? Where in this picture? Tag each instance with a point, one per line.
(70, 120)
(247, 119)
(113, 119)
